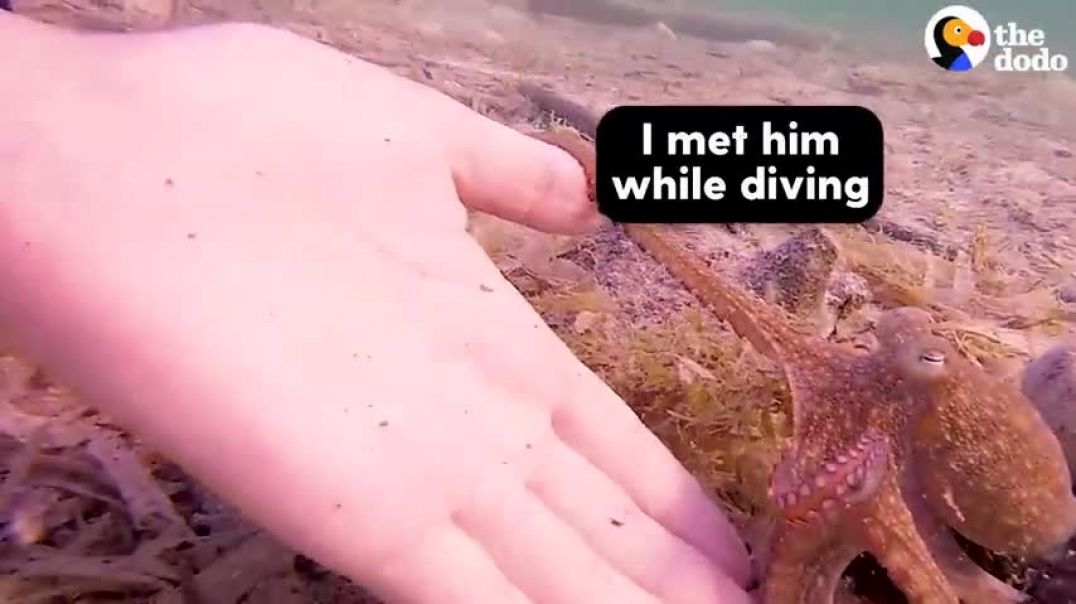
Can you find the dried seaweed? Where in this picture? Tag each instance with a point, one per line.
(240, 570)
(915, 237)
(720, 407)
(149, 506)
(91, 514)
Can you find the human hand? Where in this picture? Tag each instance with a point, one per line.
(251, 248)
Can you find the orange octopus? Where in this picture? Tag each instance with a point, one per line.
(891, 448)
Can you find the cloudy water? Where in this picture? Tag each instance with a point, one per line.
(894, 21)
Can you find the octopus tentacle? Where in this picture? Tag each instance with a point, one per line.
(807, 565)
(812, 548)
(892, 537)
(969, 580)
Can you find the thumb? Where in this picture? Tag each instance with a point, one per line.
(506, 173)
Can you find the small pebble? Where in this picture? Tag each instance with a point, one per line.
(761, 45)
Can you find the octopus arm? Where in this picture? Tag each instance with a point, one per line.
(969, 580)
(806, 564)
(891, 535)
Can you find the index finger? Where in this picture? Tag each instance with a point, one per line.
(503, 172)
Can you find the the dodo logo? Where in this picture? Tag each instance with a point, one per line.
(957, 38)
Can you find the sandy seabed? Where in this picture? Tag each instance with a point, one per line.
(976, 226)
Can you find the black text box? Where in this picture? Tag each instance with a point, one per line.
(834, 153)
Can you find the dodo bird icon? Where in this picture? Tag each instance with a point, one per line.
(953, 35)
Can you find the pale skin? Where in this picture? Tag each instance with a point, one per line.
(250, 248)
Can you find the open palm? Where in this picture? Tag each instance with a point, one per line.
(251, 248)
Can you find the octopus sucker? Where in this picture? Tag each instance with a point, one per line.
(835, 484)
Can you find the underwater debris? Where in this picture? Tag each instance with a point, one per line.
(796, 276)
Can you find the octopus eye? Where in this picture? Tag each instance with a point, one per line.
(932, 358)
